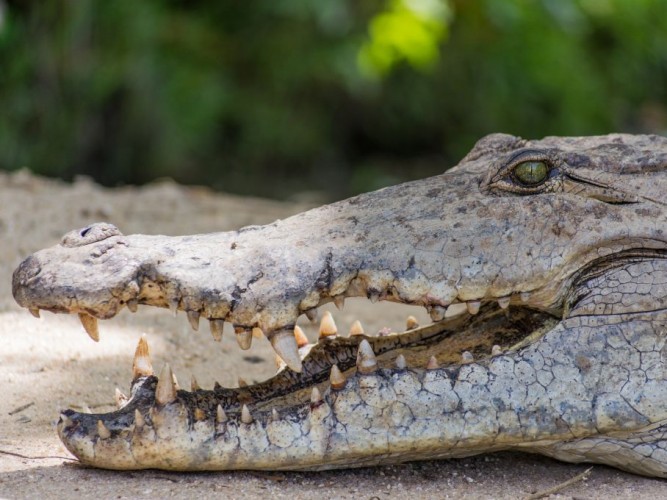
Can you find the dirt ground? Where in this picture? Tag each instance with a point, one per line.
(50, 364)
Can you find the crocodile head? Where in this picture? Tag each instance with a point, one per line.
(542, 265)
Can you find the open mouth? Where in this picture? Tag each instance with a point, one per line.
(328, 366)
(332, 401)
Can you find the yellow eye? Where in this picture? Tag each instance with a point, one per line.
(531, 173)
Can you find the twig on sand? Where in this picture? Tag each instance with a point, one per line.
(21, 408)
(560, 486)
(14, 454)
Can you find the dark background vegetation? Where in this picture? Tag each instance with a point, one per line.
(332, 96)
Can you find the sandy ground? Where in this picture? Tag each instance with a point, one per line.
(50, 364)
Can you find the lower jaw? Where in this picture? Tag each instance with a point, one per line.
(310, 420)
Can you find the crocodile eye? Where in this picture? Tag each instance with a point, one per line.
(528, 172)
(531, 173)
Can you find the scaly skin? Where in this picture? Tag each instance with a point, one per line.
(576, 370)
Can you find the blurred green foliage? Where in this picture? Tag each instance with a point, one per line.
(408, 30)
(334, 95)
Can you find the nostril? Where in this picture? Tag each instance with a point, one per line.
(90, 234)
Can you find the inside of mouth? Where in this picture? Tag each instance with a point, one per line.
(451, 343)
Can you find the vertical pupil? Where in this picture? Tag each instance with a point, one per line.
(531, 172)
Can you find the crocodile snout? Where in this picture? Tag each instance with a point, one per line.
(24, 274)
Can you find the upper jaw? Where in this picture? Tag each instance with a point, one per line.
(414, 253)
(267, 277)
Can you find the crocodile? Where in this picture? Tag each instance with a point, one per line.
(542, 265)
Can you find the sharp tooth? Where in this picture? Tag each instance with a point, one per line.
(220, 415)
(432, 364)
(133, 305)
(327, 326)
(525, 296)
(258, 333)
(366, 361)
(411, 323)
(193, 318)
(356, 328)
(199, 414)
(274, 415)
(504, 302)
(467, 357)
(165, 392)
(121, 399)
(336, 378)
(216, 328)
(242, 382)
(246, 417)
(176, 386)
(284, 343)
(311, 314)
(86, 409)
(400, 362)
(90, 325)
(373, 296)
(102, 430)
(437, 313)
(141, 366)
(473, 306)
(173, 306)
(34, 311)
(243, 337)
(301, 339)
(66, 421)
(139, 421)
(496, 350)
(339, 301)
(194, 386)
(315, 396)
